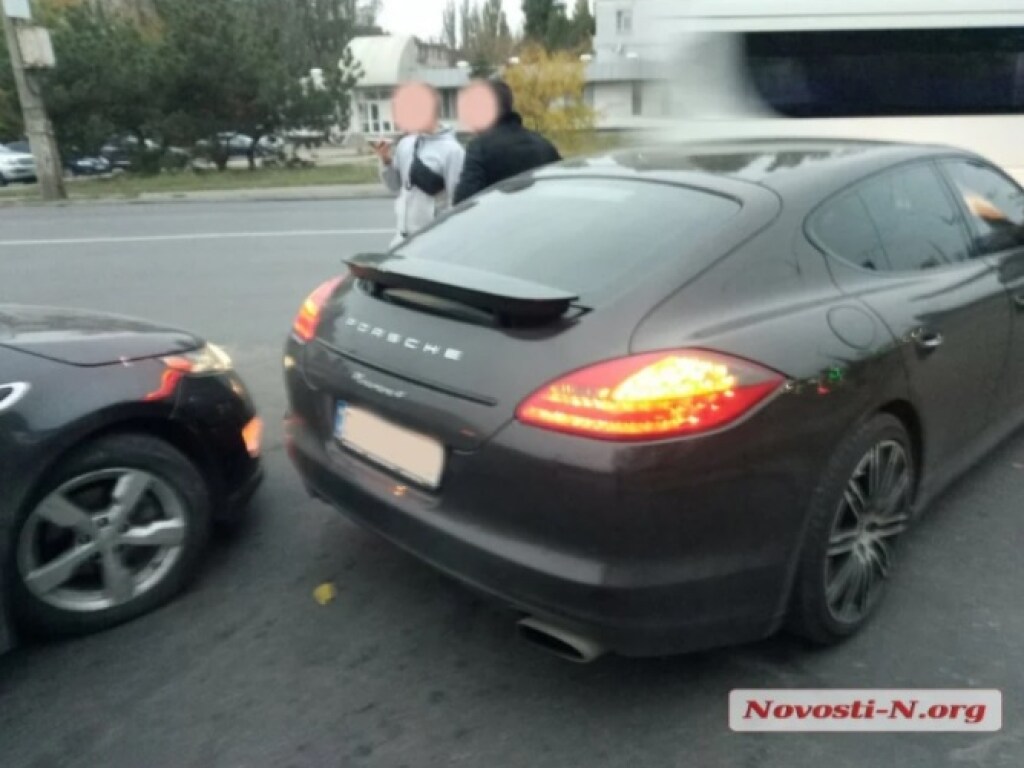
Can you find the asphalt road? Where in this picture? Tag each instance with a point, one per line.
(405, 668)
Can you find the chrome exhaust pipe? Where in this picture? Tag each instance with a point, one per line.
(561, 642)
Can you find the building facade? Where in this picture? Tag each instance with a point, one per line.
(625, 74)
(626, 78)
(386, 62)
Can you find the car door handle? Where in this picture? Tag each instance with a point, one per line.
(928, 340)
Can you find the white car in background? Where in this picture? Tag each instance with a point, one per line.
(16, 166)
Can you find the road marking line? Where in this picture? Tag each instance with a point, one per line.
(197, 236)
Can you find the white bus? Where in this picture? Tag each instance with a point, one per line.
(935, 71)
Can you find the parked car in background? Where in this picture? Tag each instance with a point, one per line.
(121, 151)
(272, 144)
(87, 166)
(239, 145)
(120, 442)
(16, 166)
(731, 376)
(75, 163)
(124, 153)
(307, 137)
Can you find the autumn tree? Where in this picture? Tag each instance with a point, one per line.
(549, 93)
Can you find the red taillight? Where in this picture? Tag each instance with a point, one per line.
(651, 396)
(308, 319)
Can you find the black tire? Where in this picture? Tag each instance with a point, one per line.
(3, 181)
(135, 452)
(813, 614)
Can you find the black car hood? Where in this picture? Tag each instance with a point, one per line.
(85, 338)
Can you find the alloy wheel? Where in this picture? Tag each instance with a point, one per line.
(101, 540)
(873, 512)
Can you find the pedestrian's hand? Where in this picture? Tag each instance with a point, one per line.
(383, 150)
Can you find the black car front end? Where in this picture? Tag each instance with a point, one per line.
(84, 380)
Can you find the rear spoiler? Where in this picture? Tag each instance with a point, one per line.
(504, 296)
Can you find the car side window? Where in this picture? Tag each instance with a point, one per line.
(995, 204)
(844, 227)
(917, 221)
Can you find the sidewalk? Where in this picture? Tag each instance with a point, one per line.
(270, 194)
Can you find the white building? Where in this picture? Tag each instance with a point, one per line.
(387, 61)
(626, 77)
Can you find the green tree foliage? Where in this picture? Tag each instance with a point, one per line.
(109, 78)
(584, 25)
(547, 24)
(479, 33)
(537, 19)
(188, 73)
(10, 111)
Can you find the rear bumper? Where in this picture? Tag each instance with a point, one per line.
(627, 565)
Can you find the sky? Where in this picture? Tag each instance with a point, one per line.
(423, 17)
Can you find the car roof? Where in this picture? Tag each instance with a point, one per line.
(798, 170)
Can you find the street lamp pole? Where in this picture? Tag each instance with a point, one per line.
(37, 124)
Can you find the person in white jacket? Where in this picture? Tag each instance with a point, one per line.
(424, 166)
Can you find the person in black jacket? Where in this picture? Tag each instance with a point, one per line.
(505, 148)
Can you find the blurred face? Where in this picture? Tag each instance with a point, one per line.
(478, 107)
(414, 106)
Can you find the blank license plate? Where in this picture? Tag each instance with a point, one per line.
(410, 454)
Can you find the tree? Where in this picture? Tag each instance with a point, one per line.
(366, 14)
(319, 32)
(89, 100)
(480, 33)
(10, 110)
(547, 24)
(549, 93)
(584, 25)
(246, 66)
(450, 26)
(537, 19)
(190, 72)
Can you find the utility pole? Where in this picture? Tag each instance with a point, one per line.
(37, 124)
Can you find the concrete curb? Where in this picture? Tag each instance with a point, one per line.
(269, 195)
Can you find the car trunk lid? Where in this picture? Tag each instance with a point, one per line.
(452, 331)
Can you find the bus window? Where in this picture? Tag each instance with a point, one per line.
(879, 73)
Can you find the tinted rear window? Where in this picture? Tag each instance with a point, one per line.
(870, 73)
(588, 236)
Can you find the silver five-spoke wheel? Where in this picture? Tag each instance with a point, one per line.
(101, 539)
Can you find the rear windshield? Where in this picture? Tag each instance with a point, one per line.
(587, 236)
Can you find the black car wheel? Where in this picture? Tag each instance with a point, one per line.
(115, 532)
(3, 181)
(860, 511)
